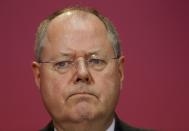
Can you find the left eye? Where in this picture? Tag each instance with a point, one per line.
(96, 61)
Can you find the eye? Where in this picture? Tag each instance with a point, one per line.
(62, 64)
(96, 61)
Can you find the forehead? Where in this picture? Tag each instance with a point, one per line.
(76, 18)
(77, 31)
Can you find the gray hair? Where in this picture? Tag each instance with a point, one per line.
(42, 30)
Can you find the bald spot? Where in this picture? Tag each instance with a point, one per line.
(77, 21)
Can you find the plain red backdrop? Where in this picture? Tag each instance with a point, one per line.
(154, 36)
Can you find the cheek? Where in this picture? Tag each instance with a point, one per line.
(53, 86)
(108, 84)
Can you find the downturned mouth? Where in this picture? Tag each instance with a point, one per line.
(82, 94)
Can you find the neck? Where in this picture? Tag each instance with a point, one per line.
(85, 125)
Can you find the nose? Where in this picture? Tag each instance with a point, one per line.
(83, 74)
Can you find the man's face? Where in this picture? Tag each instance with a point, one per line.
(82, 92)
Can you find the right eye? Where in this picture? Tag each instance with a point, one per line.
(62, 64)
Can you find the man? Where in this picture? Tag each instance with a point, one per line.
(79, 70)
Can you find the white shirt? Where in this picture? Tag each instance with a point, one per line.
(110, 128)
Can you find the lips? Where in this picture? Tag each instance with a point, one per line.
(82, 94)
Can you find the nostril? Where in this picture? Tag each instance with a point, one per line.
(82, 80)
(78, 79)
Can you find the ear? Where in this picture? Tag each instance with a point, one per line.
(36, 73)
(121, 68)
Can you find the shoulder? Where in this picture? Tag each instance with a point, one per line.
(122, 126)
(49, 127)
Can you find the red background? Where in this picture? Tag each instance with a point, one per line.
(154, 36)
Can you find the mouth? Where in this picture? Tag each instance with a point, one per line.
(82, 95)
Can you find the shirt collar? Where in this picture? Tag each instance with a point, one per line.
(112, 126)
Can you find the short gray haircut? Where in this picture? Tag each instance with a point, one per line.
(42, 30)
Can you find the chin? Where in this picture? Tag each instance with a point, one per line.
(79, 111)
(85, 111)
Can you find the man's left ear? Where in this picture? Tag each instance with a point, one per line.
(121, 68)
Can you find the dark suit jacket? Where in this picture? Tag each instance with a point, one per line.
(119, 126)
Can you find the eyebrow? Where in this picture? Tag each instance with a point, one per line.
(92, 52)
(59, 56)
(65, 54)
(96, 52)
